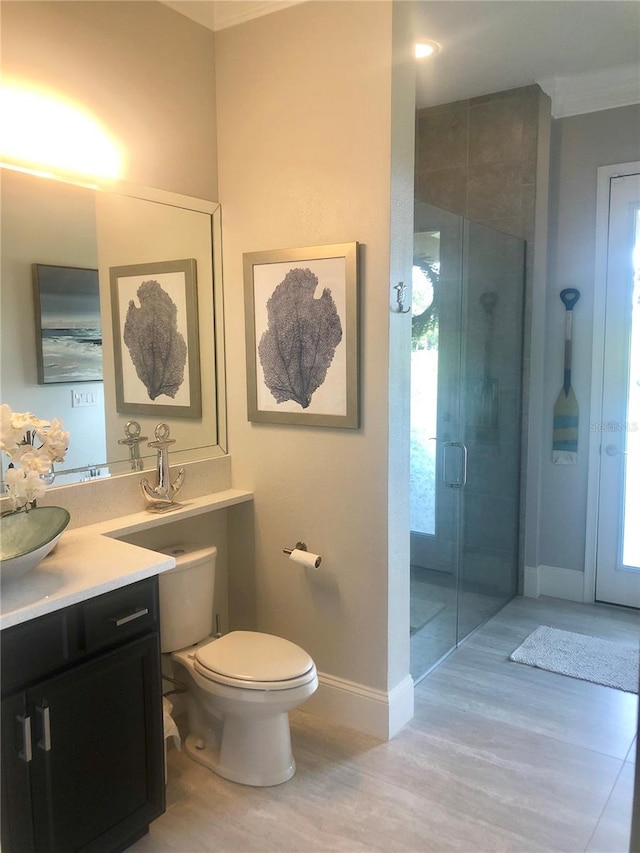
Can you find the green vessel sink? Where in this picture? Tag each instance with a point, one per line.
(27, 537)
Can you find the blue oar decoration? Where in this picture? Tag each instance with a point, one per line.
(566, 410)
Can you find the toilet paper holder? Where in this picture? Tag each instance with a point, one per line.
(301, 546)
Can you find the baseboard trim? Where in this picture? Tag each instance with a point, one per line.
(374, 712)
(554, 581)
(531, 582)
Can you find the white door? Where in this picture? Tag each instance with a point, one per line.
(618, 534)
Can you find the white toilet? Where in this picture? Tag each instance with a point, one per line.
(241, 685)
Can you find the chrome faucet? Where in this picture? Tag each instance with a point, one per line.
(161, 496)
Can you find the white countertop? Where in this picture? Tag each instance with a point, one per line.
(89, 561)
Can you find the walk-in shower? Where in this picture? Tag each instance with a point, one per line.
(466, 388)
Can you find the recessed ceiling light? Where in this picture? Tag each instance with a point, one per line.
(423, 49)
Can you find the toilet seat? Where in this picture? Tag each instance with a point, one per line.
(254, 661)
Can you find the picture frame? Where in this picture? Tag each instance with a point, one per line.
(302, 336)
(68, 324)
(155, 339)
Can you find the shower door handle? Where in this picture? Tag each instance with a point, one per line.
(460, 479)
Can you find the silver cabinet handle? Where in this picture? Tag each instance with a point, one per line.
(45, 741)
(25, 753)
(124, 619)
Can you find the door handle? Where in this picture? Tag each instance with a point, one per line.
(614, 450)
(461, 480)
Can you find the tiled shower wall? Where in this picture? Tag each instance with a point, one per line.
(478, 157)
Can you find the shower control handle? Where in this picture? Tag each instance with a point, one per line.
(460, 479)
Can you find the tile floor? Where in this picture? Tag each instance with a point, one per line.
(499, 757)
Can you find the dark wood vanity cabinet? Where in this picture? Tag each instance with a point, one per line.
(82, 740)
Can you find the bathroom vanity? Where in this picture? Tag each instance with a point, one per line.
(82, 745)
(82, 739)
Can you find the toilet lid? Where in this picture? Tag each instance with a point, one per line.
(252, 657)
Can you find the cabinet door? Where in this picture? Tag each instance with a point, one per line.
(98, 763)
(17, 828)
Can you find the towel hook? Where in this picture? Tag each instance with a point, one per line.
(401, 290)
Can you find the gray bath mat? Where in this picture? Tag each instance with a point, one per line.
(581, 656)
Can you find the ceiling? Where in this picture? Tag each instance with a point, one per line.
(584, 53)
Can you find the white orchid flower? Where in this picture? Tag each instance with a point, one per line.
(24, 486)
(36, 461)
(55, 439)
(20, 434)
(10, 435)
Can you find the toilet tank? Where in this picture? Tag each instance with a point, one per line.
(186, 596)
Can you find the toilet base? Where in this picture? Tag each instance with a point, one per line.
(258, 758)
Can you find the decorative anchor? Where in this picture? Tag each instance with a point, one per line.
(161, 497)
(132, 441)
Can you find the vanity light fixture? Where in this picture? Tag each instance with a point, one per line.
(424, 49)
(44, 135)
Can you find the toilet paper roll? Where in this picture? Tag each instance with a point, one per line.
(306, 558)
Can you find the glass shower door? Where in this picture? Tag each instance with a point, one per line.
(491, 383)
(465, 428)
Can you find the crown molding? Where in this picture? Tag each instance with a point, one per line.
(592, 91)
(228, 13)
(221, 14)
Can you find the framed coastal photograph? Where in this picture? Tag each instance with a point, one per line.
(68, 326)
(301, 313)
(155, 336)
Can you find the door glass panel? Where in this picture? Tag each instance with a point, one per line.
(435, 367)
(493, 275)
(631, 530)
(618, 505)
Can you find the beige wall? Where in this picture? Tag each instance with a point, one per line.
(306, 156)
(144, 71)
(304, 117)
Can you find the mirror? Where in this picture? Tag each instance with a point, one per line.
(50, 222)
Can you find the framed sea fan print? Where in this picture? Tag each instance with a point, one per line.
(155, 335)
(301, 314)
